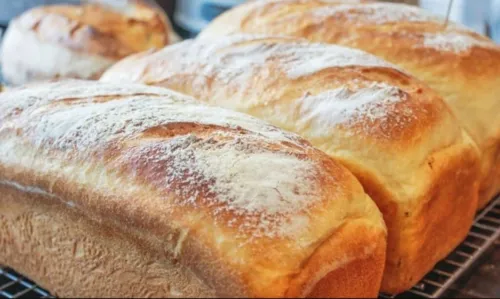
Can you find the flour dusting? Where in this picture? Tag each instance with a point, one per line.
(456, 42)
(343, 106)
(375, 13)
(85, 125)
(236, 176)
(191, 153)
(239, 58)
(37, 95)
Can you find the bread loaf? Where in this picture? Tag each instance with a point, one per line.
(463, 66)
(78, 41)
(130, 191)
(394, 133)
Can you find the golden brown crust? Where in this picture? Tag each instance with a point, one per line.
(352, 279)
(79, 41)
(97, 30)
(434, 224)
(393, 132)
(461, 65)
(199, 68)
(202, 186)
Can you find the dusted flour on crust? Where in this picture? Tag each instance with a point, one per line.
(236, 166)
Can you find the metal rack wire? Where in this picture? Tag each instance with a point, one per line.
(12, 285)
(484, 232)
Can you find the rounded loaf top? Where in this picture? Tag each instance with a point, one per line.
(348, 19)
(317, 87)
(79, 41)
(112, 32)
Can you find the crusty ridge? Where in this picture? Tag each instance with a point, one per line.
(214, 184)
(351, 89)
(311, 20)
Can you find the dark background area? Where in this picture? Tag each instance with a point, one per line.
(168, 6)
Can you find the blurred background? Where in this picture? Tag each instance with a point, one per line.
(191, 16)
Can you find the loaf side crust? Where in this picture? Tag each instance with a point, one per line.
(72, 256)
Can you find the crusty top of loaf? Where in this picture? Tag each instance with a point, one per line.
(399, 33)
(253, 200)
(419, 27)
(98, 29)
(346, 102)
(333, 86)
(444, 57)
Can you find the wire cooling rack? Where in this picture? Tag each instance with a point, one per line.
(12, 285)
(484, 232)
